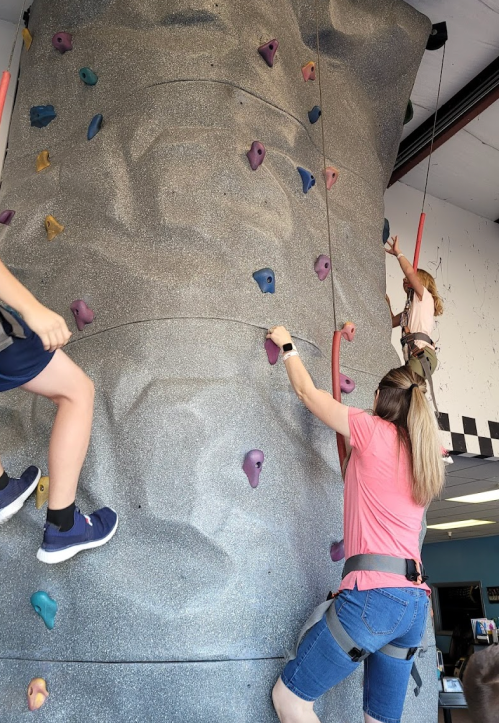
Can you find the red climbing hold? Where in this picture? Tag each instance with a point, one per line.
(331, 176)
(308, 71)
(268, 51)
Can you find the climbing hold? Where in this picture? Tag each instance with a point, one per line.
(45, 607)
(272, 351)
(331, 176)
(409, 112)
(314, 114)
(252, 466)
(348, 331)
(6, 217)
(53, 227)
(266, 280)
(438, 36)
(82, 313)
(88, 76)
(322, 266)
(307, 179)
(268, 51)
(27, 38)
(37, 693)
(62, 42)
(41, 115)
(256, 154)
(386, 231)
(42, 161)
(308, 71)
(347, 385)
(42, 492)
(337, 551)
(95, 126)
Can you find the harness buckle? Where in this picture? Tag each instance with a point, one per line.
(411, 653)
(414, 572)
(357, 655)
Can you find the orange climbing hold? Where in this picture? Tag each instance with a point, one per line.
(53, 227)
(42, 161)
(308, 71)
(42, 492)
(28, 38)
(37, 693)
(331, 175)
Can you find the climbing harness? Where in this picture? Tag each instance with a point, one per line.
(411, 569)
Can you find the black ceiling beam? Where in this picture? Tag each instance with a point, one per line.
(469, 102)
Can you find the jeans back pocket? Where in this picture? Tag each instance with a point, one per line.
(383, 611)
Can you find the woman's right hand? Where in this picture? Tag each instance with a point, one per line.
(393, 247)
(50, 327)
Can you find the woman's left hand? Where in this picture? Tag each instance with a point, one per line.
(279, 335)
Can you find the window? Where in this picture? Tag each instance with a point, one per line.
(455, 603)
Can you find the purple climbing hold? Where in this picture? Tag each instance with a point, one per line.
(6, 217)
(347, 385)
(268, 51)
(256, 154)
(252, 466)
(272, 351)
(322, 266)
(82, 313)
(337, 551)
(63, 42)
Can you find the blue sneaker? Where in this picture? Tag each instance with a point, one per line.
(13, 497)
(87, 532)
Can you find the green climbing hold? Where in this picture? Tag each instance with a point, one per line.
(88, 76)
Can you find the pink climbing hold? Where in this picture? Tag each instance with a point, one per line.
(272, 351)
(6, 217)
(348, 331)
(322, 266)
(331, 175)
(82, 313)
(347, 385)
(62, 42)
(337, 551)
(252, 466)
(256, 154)
(308, 71)
(268, 51)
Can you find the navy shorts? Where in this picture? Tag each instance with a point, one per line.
(372, 618)
(23, 360)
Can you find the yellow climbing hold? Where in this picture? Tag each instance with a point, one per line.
(42, 492)
(42, 161)
(28, 38)
(53, 227)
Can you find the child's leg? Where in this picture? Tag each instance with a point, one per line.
(72, 391)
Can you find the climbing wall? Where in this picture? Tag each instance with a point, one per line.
(186, 615)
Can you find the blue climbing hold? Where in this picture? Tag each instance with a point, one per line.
(266, 280)
(45, 606)
(41, 115)
(314, 114)
(95, 126)
(88, 76)
(386, 231)
(307, 178)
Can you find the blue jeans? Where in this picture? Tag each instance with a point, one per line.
(372, 618)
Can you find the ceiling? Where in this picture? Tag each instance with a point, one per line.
(466, 476)
(465, 170)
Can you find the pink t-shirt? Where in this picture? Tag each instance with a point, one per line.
(422, 317)
(380, 515)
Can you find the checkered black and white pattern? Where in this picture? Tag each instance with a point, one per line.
(469, 437)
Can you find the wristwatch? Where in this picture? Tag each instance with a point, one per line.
(288, 347)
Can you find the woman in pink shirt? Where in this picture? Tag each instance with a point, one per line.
(379, 614)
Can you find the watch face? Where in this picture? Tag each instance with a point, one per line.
(287, 347)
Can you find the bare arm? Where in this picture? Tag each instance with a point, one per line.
(406, 266)
(50, 327)
(395, 317)
(320, 403)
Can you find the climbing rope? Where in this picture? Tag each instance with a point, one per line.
(4, 83)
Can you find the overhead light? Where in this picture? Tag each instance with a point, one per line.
(476, 497)
(461, 523)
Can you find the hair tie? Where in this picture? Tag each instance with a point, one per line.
(412, 387)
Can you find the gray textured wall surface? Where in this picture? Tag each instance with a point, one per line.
(187, 613)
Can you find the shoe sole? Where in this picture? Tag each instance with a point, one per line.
(16, 505)
(50, 558)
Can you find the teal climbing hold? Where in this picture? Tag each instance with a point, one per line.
(88, 76)
(45, 607)
(307, 179)
(95, 126)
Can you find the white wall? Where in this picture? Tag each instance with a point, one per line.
(7, 35)
(461, 250)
